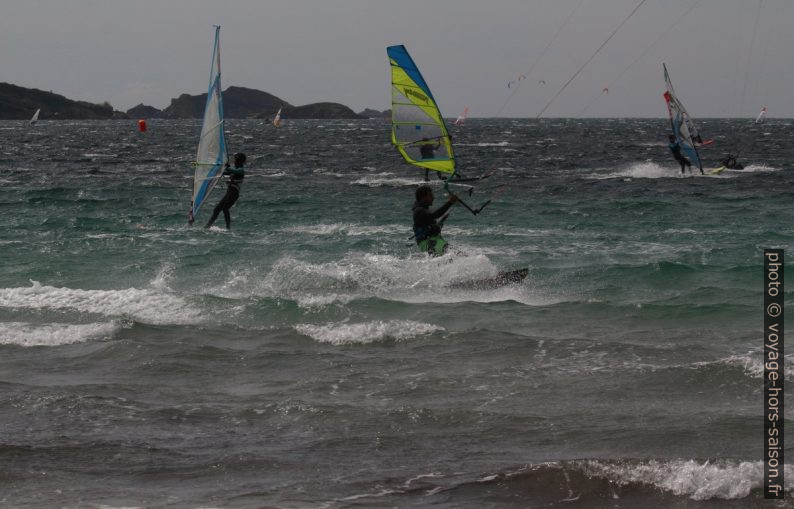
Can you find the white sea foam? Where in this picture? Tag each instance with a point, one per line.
(97, 155)
(415, 279)
(148, 306)
(352, 230)
(651, 170)
(387, 180)
(163, 277)
(326, 171)
(647, 170)
(53, 334)
(485, 144)
(755, 168)
(367, 332)
(752, 363)
(697, 480)
(325, 299)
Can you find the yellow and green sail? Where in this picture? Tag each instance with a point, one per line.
(417, 127)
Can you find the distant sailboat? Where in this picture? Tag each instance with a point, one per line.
(761, 116)
(35, 117)
(211, 154)
(462, 117)
(277, 119)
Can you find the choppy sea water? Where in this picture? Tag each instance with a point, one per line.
(310, 357)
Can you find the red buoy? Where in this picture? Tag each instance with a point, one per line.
(142, 125)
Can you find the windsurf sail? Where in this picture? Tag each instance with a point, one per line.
(211, 154)
(35, 117)
(462, 117)
(761, 116)
(683, 128)
(417, 127)
(277, 118)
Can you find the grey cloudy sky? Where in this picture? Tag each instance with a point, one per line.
(133, 51)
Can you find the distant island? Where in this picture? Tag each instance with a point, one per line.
(19, 103)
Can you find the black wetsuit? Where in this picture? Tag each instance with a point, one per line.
(232, 193)
(731, 163)
(425, 224)
(675, 148)
(427, 149)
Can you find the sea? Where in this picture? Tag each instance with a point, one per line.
(312, 357)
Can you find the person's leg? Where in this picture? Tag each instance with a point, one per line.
(227, 217)
(215, 212)
(226, 202)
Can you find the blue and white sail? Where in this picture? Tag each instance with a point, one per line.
(211, 155)
(683, 128)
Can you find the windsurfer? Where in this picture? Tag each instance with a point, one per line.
(731, 163)
(427, 148)
(427, 230)
(675, 148)
(236, 176)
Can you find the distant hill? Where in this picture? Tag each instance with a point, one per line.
(144, 111)
(238, 102)
(370, 113)
(19, 103)
(241, 102)
(320, 110)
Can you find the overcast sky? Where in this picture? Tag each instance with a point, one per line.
(149, 51)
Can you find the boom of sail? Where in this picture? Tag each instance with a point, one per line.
(686, 134)
(211, 155)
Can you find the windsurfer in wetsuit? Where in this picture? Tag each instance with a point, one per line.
(675, 148)
(427, 148)
(731, 163)
(236, 176)
(427, 151)
(426, 230)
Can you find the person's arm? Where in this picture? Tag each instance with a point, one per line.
(235, 173)
(440, 211)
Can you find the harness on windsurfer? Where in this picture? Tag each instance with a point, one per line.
(427, 228)
(236, 176)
